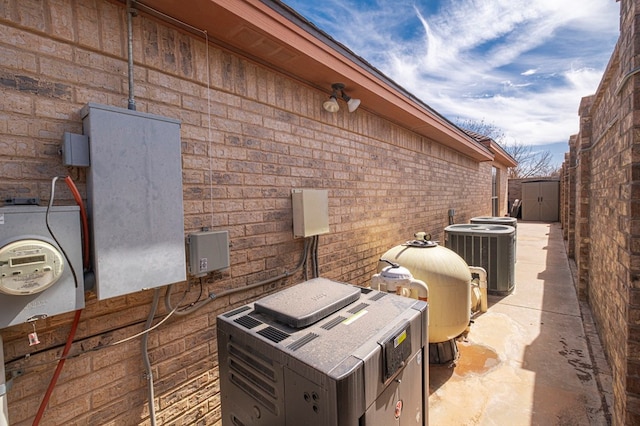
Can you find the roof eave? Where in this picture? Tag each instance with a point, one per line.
(501, 156)
(272, 33)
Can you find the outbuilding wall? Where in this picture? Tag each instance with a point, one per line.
(249, 136)
(601, 213)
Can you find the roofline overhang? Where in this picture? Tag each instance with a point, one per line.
(501, 156)
(280, 24)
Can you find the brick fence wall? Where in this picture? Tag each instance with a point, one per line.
(246, 143)
(601, 213)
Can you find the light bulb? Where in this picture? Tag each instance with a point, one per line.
(353, 104)
(331, 105)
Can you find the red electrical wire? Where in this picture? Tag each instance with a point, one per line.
(76, 319)
(54, 379)
(83, 217)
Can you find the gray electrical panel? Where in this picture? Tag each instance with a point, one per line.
(134, 188)
(26, 292)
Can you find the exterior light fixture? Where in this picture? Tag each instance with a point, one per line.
(331, 105)
(352, 103)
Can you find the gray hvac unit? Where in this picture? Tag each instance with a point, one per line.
(488, 246)
(495, 220)
(500, 220)
(325, 353)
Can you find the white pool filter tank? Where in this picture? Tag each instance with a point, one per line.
(448, 279)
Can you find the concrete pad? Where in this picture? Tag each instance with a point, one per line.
(528, 359)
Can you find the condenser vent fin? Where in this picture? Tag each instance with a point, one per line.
(247, 321)
(252, 391)
(236, 311)
(257, 361)
(358, 308)
(493, 261)
(302, 341)
(377, 297)
(273, 334)
(249, 372)
(330, 324)
(253, 378)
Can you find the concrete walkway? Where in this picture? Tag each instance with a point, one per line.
(533, 358)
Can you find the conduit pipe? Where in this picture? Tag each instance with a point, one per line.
(145, 356)
(626, 78)
(131, 12)
(213, 296)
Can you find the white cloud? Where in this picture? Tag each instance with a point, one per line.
(523, 65)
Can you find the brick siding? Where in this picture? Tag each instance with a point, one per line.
(246, 142)
(601, 214)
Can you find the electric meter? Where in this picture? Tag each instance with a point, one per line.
(29, 266)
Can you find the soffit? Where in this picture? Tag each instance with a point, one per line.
(265, 31)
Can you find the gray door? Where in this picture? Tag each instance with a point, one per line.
(540, 201)
(549, 201)
(530, 201)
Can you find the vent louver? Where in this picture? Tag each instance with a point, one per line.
(358, 308)
(247, 321)
(236, 311)
(273, 334)
(302, 341)
(329, 325)
(253, 375)
(252, 391)
(377, 297)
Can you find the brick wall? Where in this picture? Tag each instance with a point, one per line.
(602, 214)
(246, 143)
(515, 190)
(503, 190)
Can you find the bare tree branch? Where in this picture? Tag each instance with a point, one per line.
(532, 162)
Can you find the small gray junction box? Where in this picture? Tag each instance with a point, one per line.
(208, 251)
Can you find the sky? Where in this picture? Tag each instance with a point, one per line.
(521, 66)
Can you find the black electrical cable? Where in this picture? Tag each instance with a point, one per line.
(307, 248)
(46, 220)
(187, 307)
(316, 269)
(76, 320)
